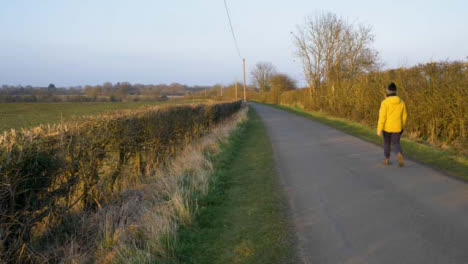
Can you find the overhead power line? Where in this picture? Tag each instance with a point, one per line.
(232, 30)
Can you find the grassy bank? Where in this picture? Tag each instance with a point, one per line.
(447, 161)
(242, 220)
(25, 115)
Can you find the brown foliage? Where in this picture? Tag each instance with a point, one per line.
(436, 95)
(50, 172)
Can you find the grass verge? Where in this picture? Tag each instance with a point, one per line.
(242, 219)
(446, 161)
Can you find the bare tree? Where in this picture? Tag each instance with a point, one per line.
(331, 49)
(261, 75)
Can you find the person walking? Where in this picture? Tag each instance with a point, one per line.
(392, 121)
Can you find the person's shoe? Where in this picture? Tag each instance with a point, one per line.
(386, 161)
(401, 162)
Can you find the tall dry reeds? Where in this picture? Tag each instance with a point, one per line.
(53, 179)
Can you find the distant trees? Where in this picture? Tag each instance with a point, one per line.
(261, 75)
(269, 82)
(218, 89)
(51, 88)
(281, 82)
(332, 49)
(265, 78)
(106, 92)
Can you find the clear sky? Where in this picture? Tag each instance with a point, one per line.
(77, 42)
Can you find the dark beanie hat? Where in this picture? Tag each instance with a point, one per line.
(391, 88)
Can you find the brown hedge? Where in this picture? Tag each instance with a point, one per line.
(51, 171)
(436, 95)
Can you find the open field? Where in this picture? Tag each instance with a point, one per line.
(25, 115)
(243, 218)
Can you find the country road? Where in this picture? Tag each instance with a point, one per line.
(346, 207)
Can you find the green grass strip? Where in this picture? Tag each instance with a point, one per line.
(243, 218)
(445, 161)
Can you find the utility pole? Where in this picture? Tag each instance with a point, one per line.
(235, 85)
(243, 67)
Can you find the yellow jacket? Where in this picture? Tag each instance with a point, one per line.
(392, 115)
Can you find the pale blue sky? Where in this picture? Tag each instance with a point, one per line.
(77, 42)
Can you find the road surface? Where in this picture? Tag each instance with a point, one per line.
(347, 207)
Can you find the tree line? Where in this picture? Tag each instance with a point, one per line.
(120, 91)
(264, 78)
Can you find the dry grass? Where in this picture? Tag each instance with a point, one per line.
(141, 225)
(61, 183)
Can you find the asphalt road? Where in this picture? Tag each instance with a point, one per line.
(346, 207)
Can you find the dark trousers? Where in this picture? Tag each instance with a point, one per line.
(392, 139)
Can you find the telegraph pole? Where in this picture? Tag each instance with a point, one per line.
(243, 67)
(235, 85)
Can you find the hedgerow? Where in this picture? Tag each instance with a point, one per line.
(436, 95)
(52, 171)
